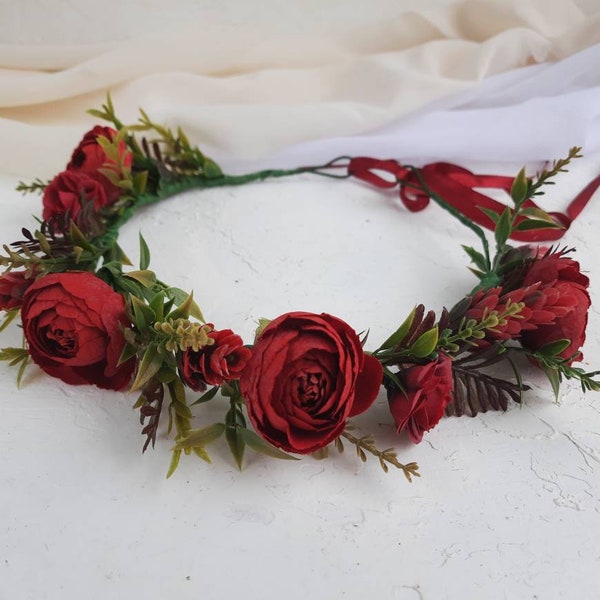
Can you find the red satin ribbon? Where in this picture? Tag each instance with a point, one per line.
(455, 185)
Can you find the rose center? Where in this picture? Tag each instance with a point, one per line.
(310, 388)
(62, 342)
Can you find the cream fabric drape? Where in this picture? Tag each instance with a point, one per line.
(253, 94)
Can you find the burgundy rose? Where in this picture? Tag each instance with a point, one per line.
(66, 193)
(562, 293)
(73, 323)
(307, 374)
(89, 158)
(427, 391)
(12, 287)
(222, 361)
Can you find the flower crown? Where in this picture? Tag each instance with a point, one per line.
(88, 317)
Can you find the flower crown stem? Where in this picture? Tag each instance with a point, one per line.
(109, 238)
(450, 209)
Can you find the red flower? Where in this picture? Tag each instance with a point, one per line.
(66, 192)
(427, 391)
(307, 374)
(562, 294)
(73, 323)
(12, 287)
(222, 361)
(89, 158)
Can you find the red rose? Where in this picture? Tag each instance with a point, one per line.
(66, 191)
(89, 158)
(307, 374)
(12, 287)
(562, 293)
(427, 391)
(73, 323)
(222, 361)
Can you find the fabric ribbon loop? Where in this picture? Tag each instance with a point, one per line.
(456, 186)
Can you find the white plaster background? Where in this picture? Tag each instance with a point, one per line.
(508, 504)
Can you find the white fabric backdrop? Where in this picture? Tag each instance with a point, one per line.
(249, 92)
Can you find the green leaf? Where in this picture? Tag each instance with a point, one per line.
(477, 258)
(78, 239)
(200, 452)
(426, 343)
(149, 366)
(201, 437)
(144, 316)
(520, 188)
(554, 378)
(211, 169)
(166, 374)
(127, 353)
(536, 213)
(140, 181)
(157, 305)
(492, 214)
(259, 445)
(14, 355)
(207, 396)
(175, 456)
(235, 423)
(186, 304)
(145, 277)
(144, 254)
(503, 227)
(21, 371)
(9, 317)
(400, 333)
(554, 348)
(530, 224)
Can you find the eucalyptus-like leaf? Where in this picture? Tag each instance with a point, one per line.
(529, 224)
(144, 253)
(535, 212)
(400, 333)
(144, 316)
(259, 445)
(554, 348)
(145, 277)
(175, 456)
(148, 367)
(211, 169)
(520, 188)
(492, 214)
(157, 304)
(502, 230)
(78, 238)
(9, 317)
(477, 258)
(128, 352)
(186, 305)
(201, 437)
(553, 376)
(207, 396)
(425, 343)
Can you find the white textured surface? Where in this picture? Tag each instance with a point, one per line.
(508, 505)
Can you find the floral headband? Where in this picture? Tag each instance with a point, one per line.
(89, 317)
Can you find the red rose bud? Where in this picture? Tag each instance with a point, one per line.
(421, 404)
(73, 323)
(222, 361)
(89, 158)
(12, 287)
(562, 296)
(307, 374)
(66, 191)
